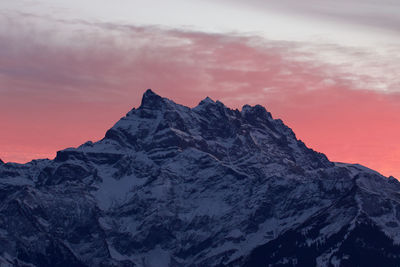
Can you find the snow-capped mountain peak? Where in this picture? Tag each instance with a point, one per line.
(170, 185)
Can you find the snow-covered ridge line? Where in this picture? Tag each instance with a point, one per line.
(202, 186)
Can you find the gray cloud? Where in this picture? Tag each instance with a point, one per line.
(382, 14)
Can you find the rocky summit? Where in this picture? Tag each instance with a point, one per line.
(170, 185)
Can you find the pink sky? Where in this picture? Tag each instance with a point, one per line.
(66, 81)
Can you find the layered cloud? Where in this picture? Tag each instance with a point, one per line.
(378, 14)
(65, 82)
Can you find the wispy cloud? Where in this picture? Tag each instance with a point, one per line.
(381, 14)
(64, 82)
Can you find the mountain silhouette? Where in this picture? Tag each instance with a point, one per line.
(170, 185)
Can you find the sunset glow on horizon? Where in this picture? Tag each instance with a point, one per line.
(66, 76)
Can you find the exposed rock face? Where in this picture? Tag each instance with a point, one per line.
(209, 186)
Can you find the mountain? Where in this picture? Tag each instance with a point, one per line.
(170, 185)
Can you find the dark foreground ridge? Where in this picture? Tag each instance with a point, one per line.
(170, 185)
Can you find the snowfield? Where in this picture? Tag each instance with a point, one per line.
(209, 186)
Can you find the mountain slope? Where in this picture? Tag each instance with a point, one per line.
(170, 185)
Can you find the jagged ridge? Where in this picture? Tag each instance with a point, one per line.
(209, 186)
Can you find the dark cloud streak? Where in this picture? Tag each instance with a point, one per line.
(64, 82)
